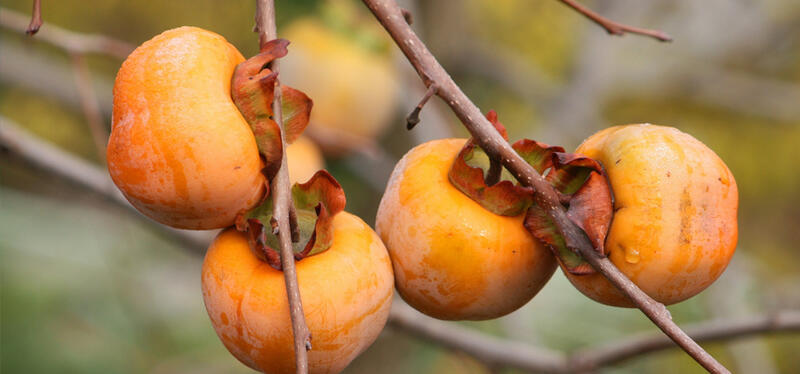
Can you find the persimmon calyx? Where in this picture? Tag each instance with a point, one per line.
(580, 181)
(584, 191)
(253, 91)
(316, 203)
(470, 175)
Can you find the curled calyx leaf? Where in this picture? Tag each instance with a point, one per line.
(579, 180)
(253, 91)
(316, 201)
(584, 189)
(471, 173)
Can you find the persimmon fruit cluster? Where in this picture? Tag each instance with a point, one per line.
(193, 146)
(456, 256)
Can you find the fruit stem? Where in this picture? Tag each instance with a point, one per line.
(283, 205)
(389, 14)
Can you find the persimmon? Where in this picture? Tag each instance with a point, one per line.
(180, 150)
(454, 259)
(346, 292)
(674, 228)
(303, 158)
(359, 85)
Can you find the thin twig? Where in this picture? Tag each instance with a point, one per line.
(36, 18)
(413, 118)
(73, 42)
(492, 351)
(615, 28)
(90, 105)
(282, 202)
(431, 72)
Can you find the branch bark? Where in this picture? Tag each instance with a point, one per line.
(432, 73)
(615, 28)
(73, 42)
(282, 202)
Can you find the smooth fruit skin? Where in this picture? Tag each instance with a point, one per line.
(359, 86)
(674, 229)
(346, 293)
(180, 151)
(452, 258)
(303, 159)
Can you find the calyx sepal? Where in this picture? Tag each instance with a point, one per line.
(580, 181)
(253, 91)
(316, 202)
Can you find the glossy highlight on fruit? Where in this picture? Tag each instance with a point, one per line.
(452, 258)
(346, 292)
(674, 228)
(180, 151)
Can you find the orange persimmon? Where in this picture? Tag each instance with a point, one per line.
(674, 228)
(180, 150)
(452, 258)
(346, 292)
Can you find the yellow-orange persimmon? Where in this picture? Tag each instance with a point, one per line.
(355, 88)
(346, 293)
(303, 158)
(452, 258)
(674, 228)
(180, 151)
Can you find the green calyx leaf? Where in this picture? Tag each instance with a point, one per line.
(253, 91)
(316, 203)
(502, 197)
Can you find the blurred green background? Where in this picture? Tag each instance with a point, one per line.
(89, 288)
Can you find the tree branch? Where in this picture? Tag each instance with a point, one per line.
(73, 42)
(36, 18)
(431, 72)
(282, 201)
(615, 28)
(90, 104)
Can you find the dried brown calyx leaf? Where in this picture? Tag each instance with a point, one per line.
(585, 191)
(580, 181)
(471, 173)
(316, 201)
(253, 91)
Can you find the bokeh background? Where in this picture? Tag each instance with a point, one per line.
(88, 287)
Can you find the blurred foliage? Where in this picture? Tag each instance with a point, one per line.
(88, 288)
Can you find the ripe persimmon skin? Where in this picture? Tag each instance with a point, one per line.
(675, 227)
(346, 292)
(179, 150)
(303, 158)
(452, 258)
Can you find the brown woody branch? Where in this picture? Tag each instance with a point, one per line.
(615, 28)
(282, 202)
(70, 41)
(36, 18)
(494, 352)
(432, 73)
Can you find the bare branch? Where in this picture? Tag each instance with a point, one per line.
(711, 331)
(90, 105)
(53, 160)
(282, 201)
(36, 18)
(615, 28)
(431, 72)
(413, 118)
(73, 42)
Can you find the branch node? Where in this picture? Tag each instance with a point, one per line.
(413, 118)
(36, 18)
(407, 16)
